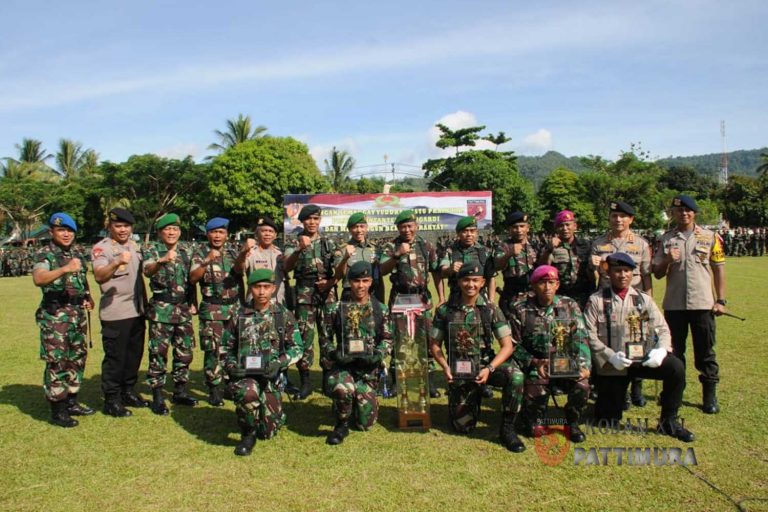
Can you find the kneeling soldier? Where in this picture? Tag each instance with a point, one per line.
(267, 341)
(553, 347)
(468, 324)
(623, 324)
(363, 338)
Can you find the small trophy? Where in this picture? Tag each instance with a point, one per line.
(254, 347)
(353, 343)
(562, 363)
(635, 347)
(464, 351)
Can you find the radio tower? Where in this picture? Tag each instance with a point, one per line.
(724, 158)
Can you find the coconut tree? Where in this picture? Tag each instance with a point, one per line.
(338, 170)
(238, 130)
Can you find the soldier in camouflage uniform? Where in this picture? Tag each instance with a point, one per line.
(311, 259)
(410, 259)
(266, 342)
(570, 255)
(358, 248)
(534, 320)
(60, 272)
(218, 267)
(167, 264)
(464, 396)
(358, 336)
(515, 259)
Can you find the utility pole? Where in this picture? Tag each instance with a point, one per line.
(724, 158)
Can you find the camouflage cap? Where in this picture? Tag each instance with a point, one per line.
(309, 209)
(168, 219)
(63, 220)
(405, 216)
(469, 271)
(466, 222)
(356, 218)
(360, 269)
(261, 275)
(683, 200)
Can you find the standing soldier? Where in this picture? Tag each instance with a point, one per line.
(60, 272)
(117, 267)
(266, 342)
(515, 259)
(311, 259)
(358, 248)
(686, 255)
(621, 238)
(263, 253)
(218, 267)
(410, 258)
(620, 314)
(471, 310)
(535, 322)
(362, 330)
(570, 255)
(167, 264)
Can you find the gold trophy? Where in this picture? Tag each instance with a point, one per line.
(635, 347)
(561, 363)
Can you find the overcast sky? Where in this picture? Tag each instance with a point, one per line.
(587, 77)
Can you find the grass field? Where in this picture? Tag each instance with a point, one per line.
(184, 461)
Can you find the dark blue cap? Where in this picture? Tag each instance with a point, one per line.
(687, 201)
(620, 259)
(515, 217)
(621, 206)
(60, 219)
(216, 223)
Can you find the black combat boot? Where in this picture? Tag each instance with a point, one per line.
(340, 431)
(306, 385)
(671, 426)
(180, 396)
(76, 409)
(638, 400)
(214, 396)
(158, 402)
(486, 391)
(60, 415)
(247, 441)
(113, 406)
(131, 399)
(509, 437)
(433, 392)
(709, 398)
(576, 435)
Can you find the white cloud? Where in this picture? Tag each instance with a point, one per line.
(181, 151)
(538, 142)
(454, 121)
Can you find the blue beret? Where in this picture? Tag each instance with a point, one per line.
(621, 259)
(687, 201)
(621, 206)
(60, 219)
(515, 217)
(216, 223)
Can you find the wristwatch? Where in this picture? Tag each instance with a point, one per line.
(722, 302)
(491, 368)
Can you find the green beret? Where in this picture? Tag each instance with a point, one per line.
(466, 222)
(360, 269)
(167, 220)
(355, 219)
(261, 275)
(405, 216)
(469, 271)
(309, 209)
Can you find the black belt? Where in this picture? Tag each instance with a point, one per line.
(221, 300)
(167, 297)
(58, 299)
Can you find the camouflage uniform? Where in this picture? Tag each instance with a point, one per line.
(464, 396)
(366, 251)
(572, 263)
(516, 271)
(221, 288)
(352, 382)
(170, 321)
(314, 263)
(532, 325)
(61, 318)
(475, 254)
(257, 400)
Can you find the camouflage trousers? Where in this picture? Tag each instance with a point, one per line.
(353, 397)
(259, 406)
(63, 348)
(464, 397)
(215, 337)
(161, 336)
(537, 391)
(308, 317)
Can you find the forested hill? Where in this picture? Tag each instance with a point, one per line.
(743, 162)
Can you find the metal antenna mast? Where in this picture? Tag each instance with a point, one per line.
(724, 158)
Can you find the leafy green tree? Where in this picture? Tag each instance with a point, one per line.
(562, 190)
(463, 137)
(23, 198)
(237, 131)
(683, 178)
(744, 202)
(338, 170)
(251, 178)
(369, 185)
(498, 140)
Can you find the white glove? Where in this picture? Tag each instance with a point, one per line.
(655, 357)
(620, 361)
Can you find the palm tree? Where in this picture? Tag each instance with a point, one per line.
(238, 130)
(14, 170)
(31, 151)
(71, 159)
(338, 170)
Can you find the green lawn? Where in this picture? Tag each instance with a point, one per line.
(184, 461)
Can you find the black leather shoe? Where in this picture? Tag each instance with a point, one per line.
(486, 391)
(709, 398)
(509, 438)
(673, 428)
(158, 402)
(76, 409)
(214, 396)
(116, 409)
(577, 436)
(246, 444)
(60, 416)
(340, 432)
(306, 385)
(180, 396)
(131, 399)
